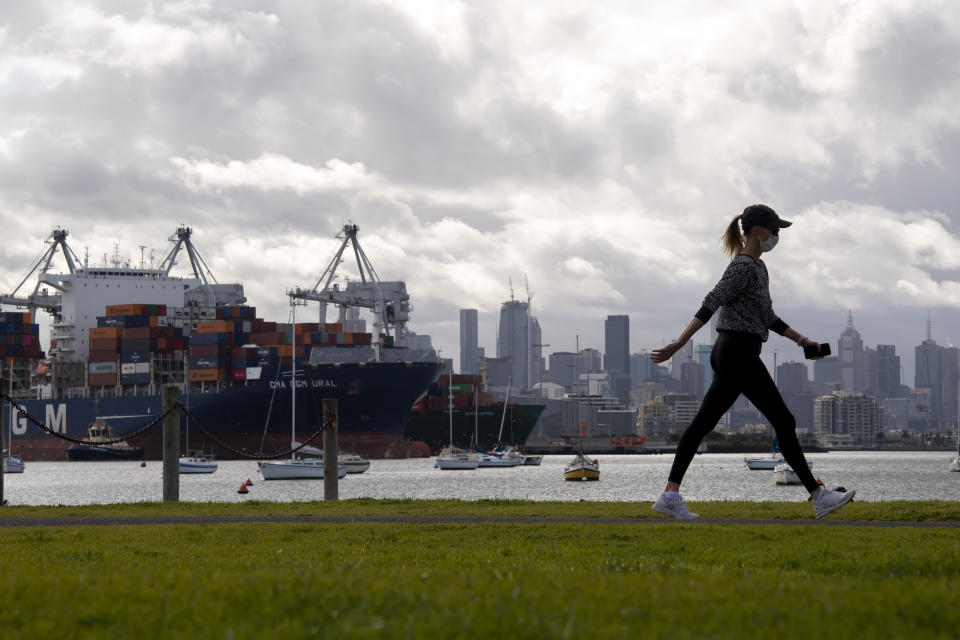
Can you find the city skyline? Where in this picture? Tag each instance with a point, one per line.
(600, 149)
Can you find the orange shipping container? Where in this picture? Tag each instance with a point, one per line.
(124, 310)
(27, 319)
(284, 350)
(154, 321)
(348, 338)
(102, 333)
(206, 375)
(214, 326)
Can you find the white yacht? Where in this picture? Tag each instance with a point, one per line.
(12, 464)
(197, 464)
(452, 458)
(784, 473)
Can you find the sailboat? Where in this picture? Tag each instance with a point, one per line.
(295, 468)
(582, 468)
(955, 463)
(193, 461)
(784, 473)
(768, 463)
(500, 457)
(452, 458)
(352, 462)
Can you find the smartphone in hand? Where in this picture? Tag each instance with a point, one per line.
(810, 352)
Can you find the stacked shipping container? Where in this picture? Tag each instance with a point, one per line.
(19, 339)
(221, 344)
(127, 339)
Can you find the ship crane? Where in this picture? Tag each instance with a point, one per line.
(388, 300)
(40, 298)
(181, 239)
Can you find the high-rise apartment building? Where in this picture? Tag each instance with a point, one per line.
(793, 380)
(641, 368)
(471, 354)
(847, 418)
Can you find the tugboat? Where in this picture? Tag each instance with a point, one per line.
(99, 432)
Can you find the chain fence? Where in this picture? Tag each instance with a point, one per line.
(244, 454)
(63, 436)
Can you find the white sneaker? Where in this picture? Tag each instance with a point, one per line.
(829, 501)
(675, 507)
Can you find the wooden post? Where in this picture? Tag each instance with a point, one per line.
(171, 444)
(331, 453)
(8, 414)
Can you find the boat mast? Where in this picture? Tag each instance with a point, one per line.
(293, 377)
(450, 404)
(476, 417)
(504, 416)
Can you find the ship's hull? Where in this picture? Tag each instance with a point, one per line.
(83, 452)
(374, 401)
(433, 427)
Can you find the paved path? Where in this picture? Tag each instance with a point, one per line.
(28, 521)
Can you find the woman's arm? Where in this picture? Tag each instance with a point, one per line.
(801, 340)
(665, 353)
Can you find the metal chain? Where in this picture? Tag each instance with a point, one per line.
(44, 427)
(244, 454)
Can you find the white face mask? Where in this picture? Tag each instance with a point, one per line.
(769, 243)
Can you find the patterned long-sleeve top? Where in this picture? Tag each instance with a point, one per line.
(743, 297)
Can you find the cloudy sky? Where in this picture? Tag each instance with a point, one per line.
(597, 148)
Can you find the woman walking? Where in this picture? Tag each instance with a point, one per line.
(746, 317)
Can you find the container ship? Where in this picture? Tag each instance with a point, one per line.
(474, 410)
(121, 333)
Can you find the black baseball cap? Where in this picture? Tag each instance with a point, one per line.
(760, 215)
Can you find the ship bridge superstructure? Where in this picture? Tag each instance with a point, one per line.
(387, 300)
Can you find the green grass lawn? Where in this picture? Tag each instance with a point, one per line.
(545, 580)
(940, 511)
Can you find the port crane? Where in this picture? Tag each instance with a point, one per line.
(388, 300)
(39, 298)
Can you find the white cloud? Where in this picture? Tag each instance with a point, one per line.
(272, 172)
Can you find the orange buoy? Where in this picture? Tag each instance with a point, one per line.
(143, 464)
(248, 483)
(243, 489)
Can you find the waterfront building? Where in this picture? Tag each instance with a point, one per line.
(846, 417)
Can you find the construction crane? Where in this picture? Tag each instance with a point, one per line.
(40, 298)
(388, 300)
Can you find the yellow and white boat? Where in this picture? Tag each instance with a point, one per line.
(582, 469)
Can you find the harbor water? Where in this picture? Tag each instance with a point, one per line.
(875, 475)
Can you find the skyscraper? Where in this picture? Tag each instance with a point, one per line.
(616, 356)
(850, 352)
(471, 355)
(513, 341)
(888, 372)
(519, 339)
(929, 373)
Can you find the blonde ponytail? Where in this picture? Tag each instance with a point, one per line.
(733, 240)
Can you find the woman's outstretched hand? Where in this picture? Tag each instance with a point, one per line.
(665, 353)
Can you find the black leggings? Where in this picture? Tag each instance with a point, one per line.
(737, 369)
